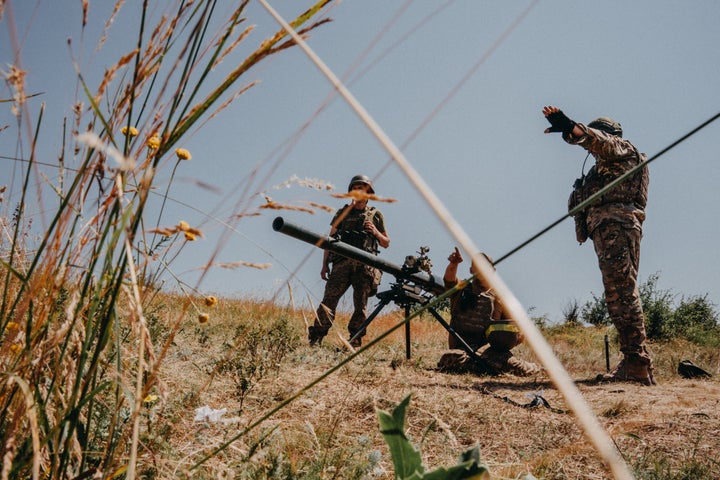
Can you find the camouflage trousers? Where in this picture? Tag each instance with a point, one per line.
(618, 252)
(364, 281)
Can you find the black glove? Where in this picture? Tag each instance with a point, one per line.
(559, 122)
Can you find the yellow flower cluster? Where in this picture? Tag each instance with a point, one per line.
(210, 301)
(183, 154)
(133, 131)
(203, 317)
(190, 233)
(153, 142)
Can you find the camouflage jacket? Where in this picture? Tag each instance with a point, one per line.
(350, 227)
(472, 311)
(613, 156)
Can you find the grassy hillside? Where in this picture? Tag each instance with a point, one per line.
(250, 357)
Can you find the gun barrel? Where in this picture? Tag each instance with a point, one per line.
(429, 282)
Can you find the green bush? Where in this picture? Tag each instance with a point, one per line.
(657, 307)
(695, 318)
(595, 312)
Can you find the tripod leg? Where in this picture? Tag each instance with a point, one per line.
(468, 349)
(370, 318)
(407, 332)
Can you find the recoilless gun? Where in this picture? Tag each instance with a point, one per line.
(414, 283)
(416, 270)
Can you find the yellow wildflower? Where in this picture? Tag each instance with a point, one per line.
(15, 348)
(183, 225)
(153, 142)
(210, 301)
(189, 236)
(11, 327)
(183, 154)
(150, 398)
(133, 131)
(203, 317)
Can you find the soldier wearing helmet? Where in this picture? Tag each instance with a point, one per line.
(478, 318)
(614, 223)
(361, 226)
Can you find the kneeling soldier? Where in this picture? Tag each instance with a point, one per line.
(477, 317)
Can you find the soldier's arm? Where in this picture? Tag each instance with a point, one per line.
(600, 143)
(611, 149)
(377, 229)
(325, 270)
(382, 238)
(450, 276)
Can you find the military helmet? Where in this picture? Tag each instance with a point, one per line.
(607, 125)
(503, 335)
(361, 179)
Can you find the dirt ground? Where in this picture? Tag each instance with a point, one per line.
(660, 431)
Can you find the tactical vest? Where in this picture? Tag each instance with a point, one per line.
(631, 191)
(351, 229)
(472, 312)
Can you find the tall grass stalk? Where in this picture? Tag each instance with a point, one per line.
(77, 357)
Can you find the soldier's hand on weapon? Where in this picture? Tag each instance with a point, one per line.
(325, 271)
(455, 257)
(370, 228)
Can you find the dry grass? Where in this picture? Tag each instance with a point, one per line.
(332, 431)
(80, 344)
(101, 374)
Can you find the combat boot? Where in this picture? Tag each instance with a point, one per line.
(501, 362)
(496, 360)
(454, 361)
(358, 334)
(630, 371)
(522, 368)
(315, 335)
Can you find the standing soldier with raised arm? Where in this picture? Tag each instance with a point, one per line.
(361, 226)
(614, 223)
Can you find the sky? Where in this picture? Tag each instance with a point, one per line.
(457, 85)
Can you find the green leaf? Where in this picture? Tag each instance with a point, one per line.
(406, 458)
(468, 468)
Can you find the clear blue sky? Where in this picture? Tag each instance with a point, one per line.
(444, 75)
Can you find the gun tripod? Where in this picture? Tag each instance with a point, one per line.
(405, 295)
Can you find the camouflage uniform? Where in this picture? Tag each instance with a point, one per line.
(348, 273)
(614, 223)
(477, 319)
(471, 314)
